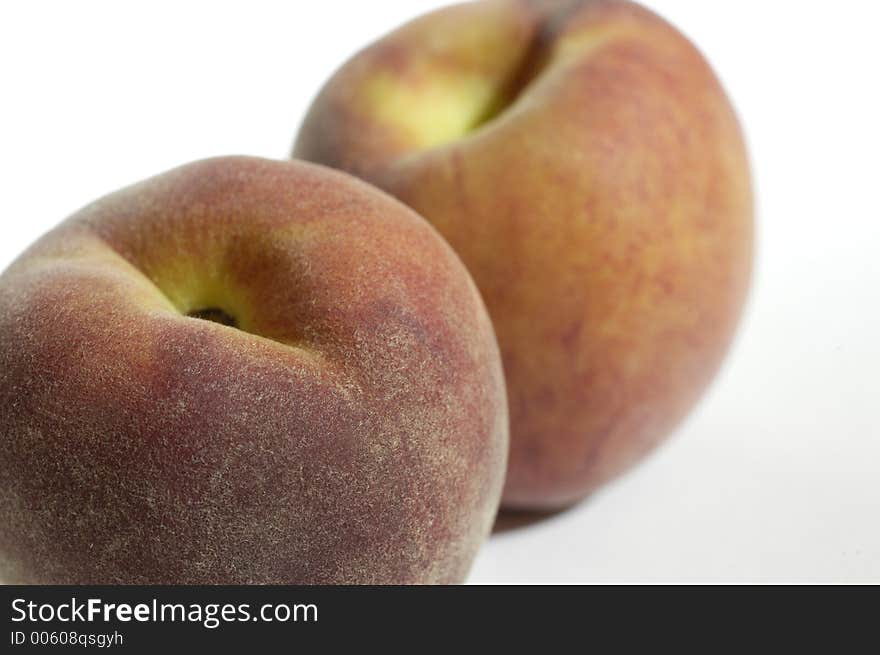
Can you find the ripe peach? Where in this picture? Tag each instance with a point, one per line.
(585, 163)
(245, 371)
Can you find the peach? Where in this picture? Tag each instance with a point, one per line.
(246, 371)
(584, 161)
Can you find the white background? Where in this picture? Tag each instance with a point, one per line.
(775, 477)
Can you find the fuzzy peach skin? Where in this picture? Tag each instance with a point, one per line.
(584, 162)
(351, 429)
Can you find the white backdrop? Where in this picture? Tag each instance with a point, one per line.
(775, 477)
